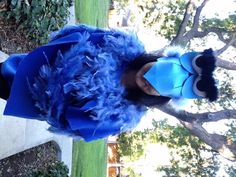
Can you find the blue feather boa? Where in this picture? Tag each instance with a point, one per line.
(90, 70)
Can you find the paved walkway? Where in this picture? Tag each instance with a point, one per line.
(17, 134)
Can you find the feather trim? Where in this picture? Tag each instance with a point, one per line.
(173, 51)
(92, 71)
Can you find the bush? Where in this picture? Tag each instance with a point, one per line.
(56, 170)
(38, 17)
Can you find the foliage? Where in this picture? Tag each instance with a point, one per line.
(150, 10)
(172, 18)
(231, 170)
(130, 172)
(55, 170)
(122, 3)
(38, 17)
(190, 167)
(164, 16)
(189, 155)
(231, 133)
(228, 24)
(187, 152)
(132, 145)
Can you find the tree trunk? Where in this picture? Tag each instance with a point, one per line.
(219, 143)
(225, 64)
(193, 122)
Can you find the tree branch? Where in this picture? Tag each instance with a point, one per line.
(228, 42)
(216, 116)
(225, 47)
(182, 37)
(198, 117)
(193, 122)
(197, 16)
(225, 64)
(218, 143)
(179, 114)
(201, 34)
(219, 32)
(183, 25)
(191, 33)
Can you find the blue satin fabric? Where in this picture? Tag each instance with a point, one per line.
(10, 66)
(27, 70)
(77, 118)
(88, 128)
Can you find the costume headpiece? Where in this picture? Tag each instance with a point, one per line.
(187, 76)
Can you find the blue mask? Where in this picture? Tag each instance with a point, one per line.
(174, 77)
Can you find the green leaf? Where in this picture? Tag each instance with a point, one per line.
(39, 17)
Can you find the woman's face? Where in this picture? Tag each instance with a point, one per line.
(142, 83)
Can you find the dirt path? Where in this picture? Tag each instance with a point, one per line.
(12, 39)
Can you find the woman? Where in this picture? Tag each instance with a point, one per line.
(91, 83)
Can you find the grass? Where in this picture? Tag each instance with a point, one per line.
(92, 12)
(90, 159)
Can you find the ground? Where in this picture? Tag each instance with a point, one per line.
(24, 163)
(13, 40)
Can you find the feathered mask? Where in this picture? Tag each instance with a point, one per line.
(185, 76)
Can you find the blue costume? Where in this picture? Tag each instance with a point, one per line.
(73, 82)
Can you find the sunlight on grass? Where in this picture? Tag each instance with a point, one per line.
(92, 12)
(89, 159)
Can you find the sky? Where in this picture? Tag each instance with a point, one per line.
(220, 7)
(214, 8)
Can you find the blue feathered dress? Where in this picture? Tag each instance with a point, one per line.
(73, 82)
